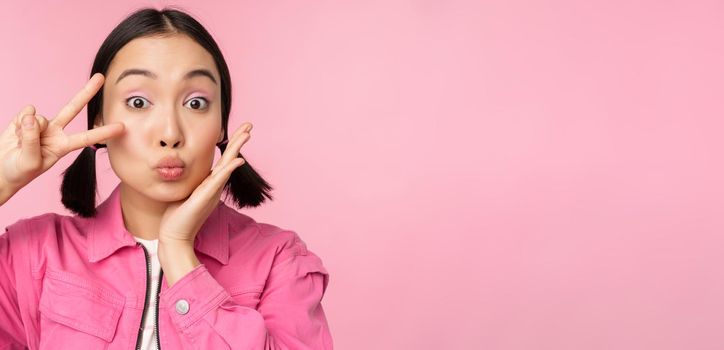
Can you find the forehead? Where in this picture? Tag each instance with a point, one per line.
(170, 57)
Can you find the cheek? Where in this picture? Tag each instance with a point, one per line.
(204, 150)
(130, 143)
(127, 152)
(126, 160)
(204, 137)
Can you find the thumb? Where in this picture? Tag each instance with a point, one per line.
(30, 158)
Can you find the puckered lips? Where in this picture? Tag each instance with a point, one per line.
(170, 168)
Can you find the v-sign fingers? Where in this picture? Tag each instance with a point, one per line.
(76, 104)
(93, 136)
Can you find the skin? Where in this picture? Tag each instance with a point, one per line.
(165, 119)
(159, 120)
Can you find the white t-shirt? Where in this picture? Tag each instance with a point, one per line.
(148, 340)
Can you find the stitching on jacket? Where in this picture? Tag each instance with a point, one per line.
(204, 309)
(77, 281)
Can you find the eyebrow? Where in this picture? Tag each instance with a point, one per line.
(147, 73)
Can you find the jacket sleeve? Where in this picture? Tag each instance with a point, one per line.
(12, 331)
(289, 314)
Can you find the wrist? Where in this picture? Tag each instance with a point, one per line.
(176, 261)
(168, 251)
(6, 192)
(166, 240)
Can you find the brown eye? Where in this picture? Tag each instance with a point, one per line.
(198, 103)
(136, 102)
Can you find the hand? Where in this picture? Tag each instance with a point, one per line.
(25, 153)
(183, 219)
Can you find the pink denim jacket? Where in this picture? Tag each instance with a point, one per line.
(68, 282)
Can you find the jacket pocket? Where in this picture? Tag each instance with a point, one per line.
(77, 312)
(247, 294)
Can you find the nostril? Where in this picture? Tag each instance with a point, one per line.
(163, 143)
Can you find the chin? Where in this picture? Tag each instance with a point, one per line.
(170, 191)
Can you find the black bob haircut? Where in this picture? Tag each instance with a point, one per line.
(79, 187)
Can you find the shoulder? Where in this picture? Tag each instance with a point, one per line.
(284, 249)
(22, 224)
(265, 236)
(43, 226)
(33, 225)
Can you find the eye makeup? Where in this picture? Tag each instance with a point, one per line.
(201, 93)
(194, 96)
(135, 93)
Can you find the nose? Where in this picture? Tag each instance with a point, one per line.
(164, 143)
(171, 131)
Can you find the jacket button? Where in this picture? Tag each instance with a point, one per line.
(182, 306)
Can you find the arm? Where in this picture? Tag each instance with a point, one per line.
(289, 314)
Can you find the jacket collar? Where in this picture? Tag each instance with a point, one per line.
(108, 232)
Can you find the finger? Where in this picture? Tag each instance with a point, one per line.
(241, 136)
(42, 122)
(78, 101)
(29, 109)
(245, 127)
(30, 158)
(222, 175)
(93, 136)
(229, 168)
(227, 155)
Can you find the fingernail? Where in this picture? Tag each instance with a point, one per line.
(28, 121)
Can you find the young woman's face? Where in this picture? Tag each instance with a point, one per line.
(166, 112)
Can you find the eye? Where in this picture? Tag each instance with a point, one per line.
(136, 102)
(198, 103)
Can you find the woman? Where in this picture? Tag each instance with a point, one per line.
(162, 262)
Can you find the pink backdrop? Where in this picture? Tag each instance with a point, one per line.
(497, 175)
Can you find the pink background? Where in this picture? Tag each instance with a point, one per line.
(498, 175)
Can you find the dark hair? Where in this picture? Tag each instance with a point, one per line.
(79, 187)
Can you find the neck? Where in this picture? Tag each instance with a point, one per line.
(141, 214)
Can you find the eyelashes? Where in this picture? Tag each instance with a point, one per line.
(138, 102)
(135, 105)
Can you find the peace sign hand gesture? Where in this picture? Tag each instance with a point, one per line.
(28, 151)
